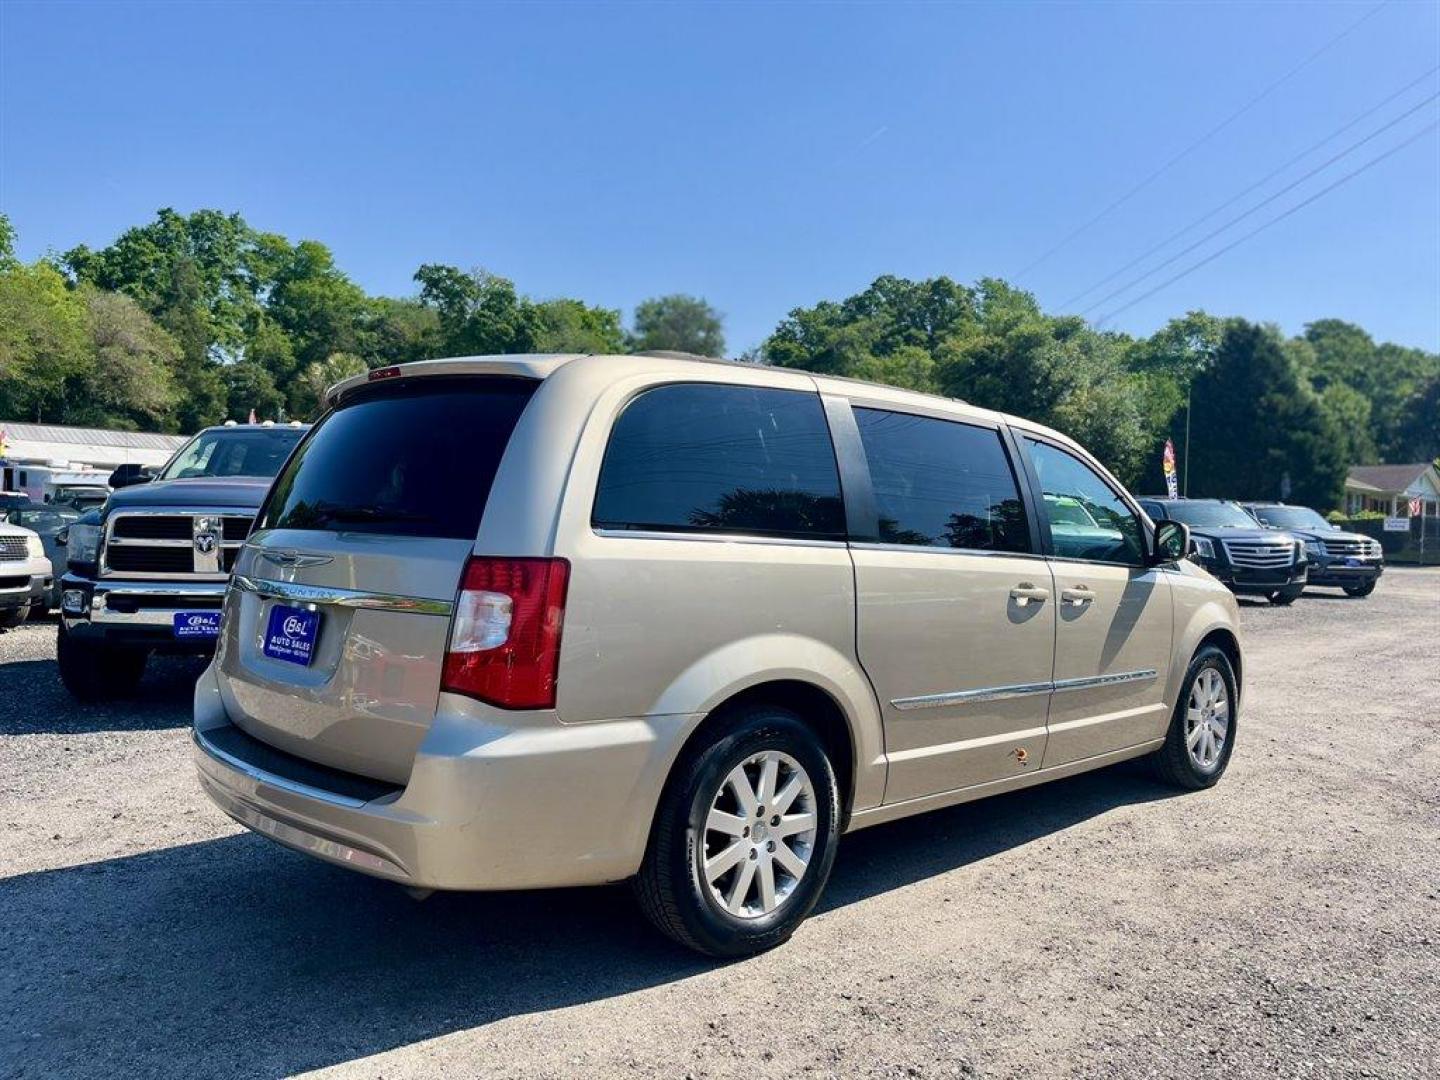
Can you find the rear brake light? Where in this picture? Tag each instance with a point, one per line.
(505, 637)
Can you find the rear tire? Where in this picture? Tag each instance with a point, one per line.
(1202, 729)
(13, 617)
(766, 773)
(1363, 589)
(95, 671)
(1286, 597)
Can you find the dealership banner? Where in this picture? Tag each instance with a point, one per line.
(1167, 462)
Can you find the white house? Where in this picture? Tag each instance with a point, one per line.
(1389, 488)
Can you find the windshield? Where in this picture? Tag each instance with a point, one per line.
(233, 452)
(1215, 515)
(1068, 511)
(1291, 517)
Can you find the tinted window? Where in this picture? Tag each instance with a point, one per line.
(941, 484)
(233, 452)
(412, 458)
(1113, 532)
(1216, 515)
(738, 459)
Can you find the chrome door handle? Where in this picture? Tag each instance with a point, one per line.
(1079, 596)
(1023, 593)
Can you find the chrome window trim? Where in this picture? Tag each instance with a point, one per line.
(1002, 693)
(714, 537)
(937, 549)
(349, 598)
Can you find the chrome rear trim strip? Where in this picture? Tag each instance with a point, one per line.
(351, 598)
(1001, 693)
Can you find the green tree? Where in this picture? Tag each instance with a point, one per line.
(1257, 422)
(323, 374)
(680, 323)
(43, 341)
(128, 381)
(572, 326)
(1417, 435)
(480, 314)
(249, 385)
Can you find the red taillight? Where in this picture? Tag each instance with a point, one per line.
(505, 637)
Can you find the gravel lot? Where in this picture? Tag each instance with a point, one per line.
(1285, 923)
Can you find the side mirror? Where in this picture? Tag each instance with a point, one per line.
(1172, 542)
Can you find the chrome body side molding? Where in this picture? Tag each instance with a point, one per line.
(1000, 693)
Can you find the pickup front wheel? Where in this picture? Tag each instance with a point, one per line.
(95, 670)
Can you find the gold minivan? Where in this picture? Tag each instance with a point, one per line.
(530, 621)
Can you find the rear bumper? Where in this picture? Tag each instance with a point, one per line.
(487, 806)
(136, 612)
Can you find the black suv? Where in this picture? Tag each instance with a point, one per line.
(1339, 559)
(1249, 558)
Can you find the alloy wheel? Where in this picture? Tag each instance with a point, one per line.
(759, 834)
(1207, 720)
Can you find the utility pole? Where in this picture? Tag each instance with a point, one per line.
(1185, 480)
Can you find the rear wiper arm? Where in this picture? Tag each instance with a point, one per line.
(327, 512)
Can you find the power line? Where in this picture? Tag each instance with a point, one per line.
(1257, 184)
(1260, 205)
(1266, 92)
(1273, 221)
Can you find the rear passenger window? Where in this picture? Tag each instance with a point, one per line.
(940, 483)
(703, 457)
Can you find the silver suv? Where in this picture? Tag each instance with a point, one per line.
(515, 622)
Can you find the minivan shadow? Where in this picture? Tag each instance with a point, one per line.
(34, 702)
(236, 957)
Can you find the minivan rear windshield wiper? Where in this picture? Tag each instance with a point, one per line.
(324, 513)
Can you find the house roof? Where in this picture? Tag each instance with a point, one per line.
(42, 443)
(1386, 477)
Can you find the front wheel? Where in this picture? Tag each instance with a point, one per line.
(96, 671)
(1286, 597)
(13, 617)
(744, 837)
(1365, 588)
(1202, 729)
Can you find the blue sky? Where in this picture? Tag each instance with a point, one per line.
(762, 156)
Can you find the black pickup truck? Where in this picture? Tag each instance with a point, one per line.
(1248, 558)
(1338, 559)
(147, 571)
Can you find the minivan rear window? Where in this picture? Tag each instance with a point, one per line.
(409, 458)
(706, 457)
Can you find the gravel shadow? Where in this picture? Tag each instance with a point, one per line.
(34, 702)
(237, 957)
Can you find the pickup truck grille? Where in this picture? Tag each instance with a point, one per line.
(12, 548)
(1352, 548)
(173, 545)
(1261, 554)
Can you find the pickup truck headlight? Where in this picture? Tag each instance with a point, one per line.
(34, 548)
(83, 545)
(1203, 547)
(1314, 549)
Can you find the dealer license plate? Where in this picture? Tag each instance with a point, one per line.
(291, 633)
(194, 625)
